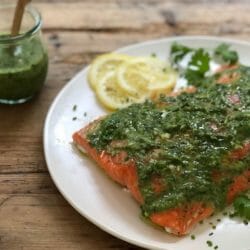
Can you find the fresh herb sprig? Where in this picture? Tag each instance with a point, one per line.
(224, 54)
(199, 65)
(178, 52)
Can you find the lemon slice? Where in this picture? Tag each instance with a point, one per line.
(111, 95)
(144, 75)
(103, 64)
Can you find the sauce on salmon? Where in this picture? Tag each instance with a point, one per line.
(182, 157)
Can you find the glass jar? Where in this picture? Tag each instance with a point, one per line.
(23, 58)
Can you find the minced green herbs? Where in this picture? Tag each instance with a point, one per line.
(209, 243)
(242, 207)
(184, 142)
(74, 107)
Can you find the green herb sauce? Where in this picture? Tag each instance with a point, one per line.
(23, 69)
(183, 141)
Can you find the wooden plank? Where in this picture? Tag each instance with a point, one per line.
(38, 222)
(122, 2)
(80, 47)
(32, 183)
(144, 15)
(25, 154)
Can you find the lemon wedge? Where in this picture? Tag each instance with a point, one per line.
(104, 64)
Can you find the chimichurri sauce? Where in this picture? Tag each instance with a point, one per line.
(183, 141)
(23, 68)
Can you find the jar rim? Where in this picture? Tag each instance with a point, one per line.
(35, 14)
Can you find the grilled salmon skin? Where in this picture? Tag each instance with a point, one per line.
(182, 157)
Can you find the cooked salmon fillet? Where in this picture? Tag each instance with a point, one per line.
(178, 221)
(123, 168)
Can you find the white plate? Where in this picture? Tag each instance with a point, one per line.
(97, 197)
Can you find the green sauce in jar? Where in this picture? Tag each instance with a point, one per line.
(23, 69)
(23, 57)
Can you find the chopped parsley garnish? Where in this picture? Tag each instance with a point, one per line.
(74, 107)
(74, 118)
(245, 222)
(209, 243)
(193, 237)
(224, 54)
(85, 114)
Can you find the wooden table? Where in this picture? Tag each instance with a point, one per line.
(33, 215)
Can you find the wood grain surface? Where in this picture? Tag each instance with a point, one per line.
(33, 215)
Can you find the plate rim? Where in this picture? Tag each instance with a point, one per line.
(52, 106)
